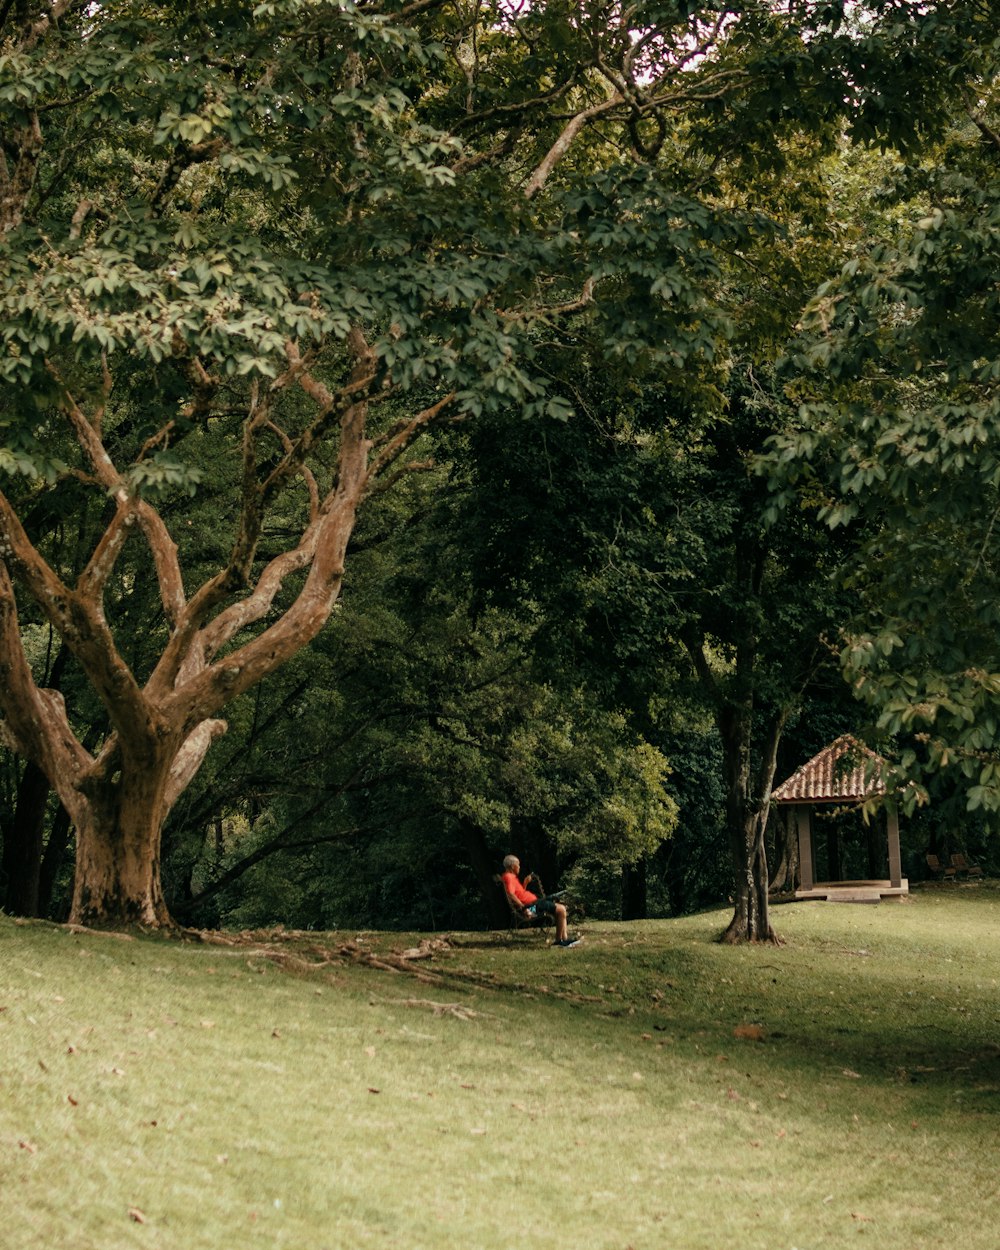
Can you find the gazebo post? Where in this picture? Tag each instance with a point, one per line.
(895, 859)
(803, 821)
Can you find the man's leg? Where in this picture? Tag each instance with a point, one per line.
(560, 922)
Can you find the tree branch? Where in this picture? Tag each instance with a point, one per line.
(35, 722)
(189, 759)
(562, 145)
(276, 844)
(396, 441)
(206, 685)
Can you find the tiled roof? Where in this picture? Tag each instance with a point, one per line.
(825, 779)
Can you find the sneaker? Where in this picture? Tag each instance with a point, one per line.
(568, 941)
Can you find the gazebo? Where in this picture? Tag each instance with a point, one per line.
(837, 778)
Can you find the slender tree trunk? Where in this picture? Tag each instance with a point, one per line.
(23, 843)
(634, 900)
(747, 803)
(52, 861)
(485, 867)
(785, 877)
(751, 916)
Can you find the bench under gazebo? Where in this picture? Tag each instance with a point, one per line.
(838, 779)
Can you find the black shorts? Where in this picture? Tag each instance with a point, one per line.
(543, 907)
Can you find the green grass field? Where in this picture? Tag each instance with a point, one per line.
(647, 1089)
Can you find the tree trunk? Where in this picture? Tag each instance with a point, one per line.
(751, 918)
(117, 878)
(485, 867)
(52, 862)
(747, 807)
(23, 843)
(634, 901)
(785, 878)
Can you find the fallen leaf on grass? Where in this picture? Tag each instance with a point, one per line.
(856, 1215)
(373, 1090)
(855, 1076)
(136, 1216)
(73, 1102)
(750, 1032)
(29, 1146)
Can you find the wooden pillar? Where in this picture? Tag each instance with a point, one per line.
(895, 859)
(803, 819)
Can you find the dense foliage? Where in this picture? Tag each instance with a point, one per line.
(897, 368)
(381, 386)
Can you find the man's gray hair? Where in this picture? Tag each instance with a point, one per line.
(509, 861)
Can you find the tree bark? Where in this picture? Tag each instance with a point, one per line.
(117, 878)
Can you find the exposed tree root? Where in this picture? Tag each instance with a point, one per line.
(314, 957)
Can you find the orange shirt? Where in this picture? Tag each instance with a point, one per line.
(517, 890)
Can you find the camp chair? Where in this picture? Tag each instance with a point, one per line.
(939, 870)
(964, 867)
(518, 918)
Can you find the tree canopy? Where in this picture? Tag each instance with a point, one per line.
(262, 256)
(897, 369)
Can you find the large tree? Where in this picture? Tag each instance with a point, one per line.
(290, 240)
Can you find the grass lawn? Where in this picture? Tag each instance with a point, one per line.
(646, 1089)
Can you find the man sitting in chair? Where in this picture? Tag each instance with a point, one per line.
(531, 904)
